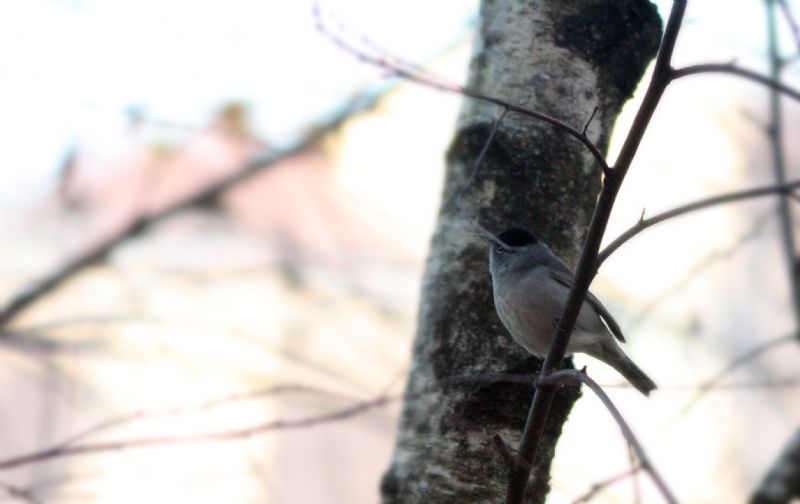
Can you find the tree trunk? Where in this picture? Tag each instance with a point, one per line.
(782, 482)
(563, 58)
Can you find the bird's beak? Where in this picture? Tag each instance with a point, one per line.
(492, 239)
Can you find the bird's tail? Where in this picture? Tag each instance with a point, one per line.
(616, 358)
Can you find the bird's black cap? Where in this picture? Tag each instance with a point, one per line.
(517, 237)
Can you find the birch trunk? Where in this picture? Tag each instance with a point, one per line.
(563, 58)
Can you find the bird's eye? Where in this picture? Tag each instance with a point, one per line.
(499, 249)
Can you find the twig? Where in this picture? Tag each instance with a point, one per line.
(784, 382)
(573, 376)
(416, 74)
(495, 126)
(643, 224)
(23, 494)
(486, 145)
(69, 447)
(696, 269)
(202, 406)
(775, 132)
(736, 363)
(61, 451)
(637, 491)
(782, 482)
(729, 68)
(33, 337)
(589, 121)
(502, 447)
(598, 487)
(143, 222)
(791, 21)
(543, 397)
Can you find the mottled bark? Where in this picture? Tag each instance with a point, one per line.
(782, 483)
(563, 59)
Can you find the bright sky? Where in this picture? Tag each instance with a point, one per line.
(71, 69)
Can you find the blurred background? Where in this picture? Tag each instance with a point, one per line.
(271, 304)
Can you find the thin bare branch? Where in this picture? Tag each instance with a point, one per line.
(775, 133)
(637, 491)
(587, 268)
(71, 447)
(23, 494)
(598, 487)
(791, 20)
(696, 269)
(732, 69)
(206, 405)
(142, 223)
(735, 364)
(643, 224)
(486, 145)
(69, 450)
(503, 449)
(574, 376)
(495, 126)
(776, 383)
(589, 121)
(415, 73)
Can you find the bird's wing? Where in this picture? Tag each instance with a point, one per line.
(565, 279)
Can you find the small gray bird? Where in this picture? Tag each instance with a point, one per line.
(531, 285)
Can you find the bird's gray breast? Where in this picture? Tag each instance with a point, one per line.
(527, 304)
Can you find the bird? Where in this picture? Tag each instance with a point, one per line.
(530, 286)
